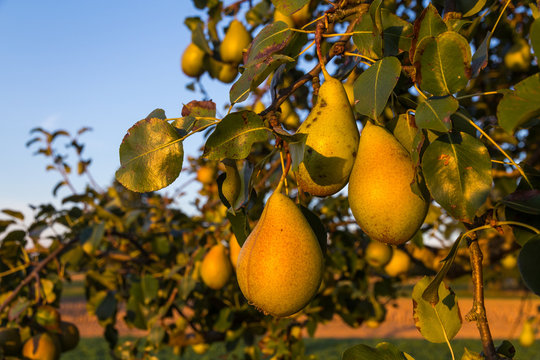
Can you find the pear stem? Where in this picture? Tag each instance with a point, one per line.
(285, 172)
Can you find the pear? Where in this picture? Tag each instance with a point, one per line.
(378, 254)
(234, 250)
(258, 107)
(518, 58)
(216, 267)
(224, 72)
(399, 263)
(527, 336)
(332, 141)
(380, 194)
(193, 60)
(232, 184)
(235, 41)
(279, 16)
(280, 265)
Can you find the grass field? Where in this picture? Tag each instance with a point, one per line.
(325, 349)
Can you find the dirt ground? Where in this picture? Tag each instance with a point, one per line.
(505, 317)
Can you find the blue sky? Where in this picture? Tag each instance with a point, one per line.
(104, 64)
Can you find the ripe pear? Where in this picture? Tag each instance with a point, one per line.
(234, 250)
(378, 254)
(527, 336)
(232, 184)
(380, 194)
(216, 267)
(332, 141)
(279, 16)
(235, 41)
(224, 72)
(43, 346)
(280, 265)
(193, 60)
(399, 263)
(258, 107)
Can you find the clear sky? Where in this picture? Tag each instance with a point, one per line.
(101, 63)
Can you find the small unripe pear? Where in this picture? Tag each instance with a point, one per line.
(235, 41)
(399, 263)
(232, 184)
(193, 60)
(280, 265)
(380, 194)
(216, 267)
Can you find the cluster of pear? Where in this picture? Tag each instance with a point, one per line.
(225, 68)
(280, 265)
(46, 345)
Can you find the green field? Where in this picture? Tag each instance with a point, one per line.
(325, 349)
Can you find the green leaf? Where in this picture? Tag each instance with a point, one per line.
(197, 33)
(397, 33)
(107, 307)
(374, 86)
(529, 266)
(287, 7)
(469, 8)
(481, 56)
(197, 108)
(428, 24)
(234, 136)
(270, 40)
(13, 213)
(383, 351)
(316, 225)
(526, 201)
(443, 63)
(151, 156)
(158, 114)
(239, 224)
(457, 169)
(91, 237)
(405, 130)
(521, 104)
(149, 288)
(367, 43)
(534, 35)
(434, 113)
(440, 322)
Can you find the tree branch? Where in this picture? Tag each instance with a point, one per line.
(478, 311)
(35, 272)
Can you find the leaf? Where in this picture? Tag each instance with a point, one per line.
(443, 63)
(151, 156)
(397, 33)
(197, 33)
(521, 104)
(149, 288)
(13, 213)
(440, 322)
(158, 114)
(481, 56)
(270, 40)
(405, 130)
(526, 201)
(317, 226)
(469, 8)
(240, 225)
(434, 113)
(374, 86)
(383, 351)
(296, 149)
(107, 307)
(529, 266)
(428, 24)
(534, 35)
(457, 169)
(287, 7)
(234, 136)
(199, 109)
(91, 237)
(364, 39)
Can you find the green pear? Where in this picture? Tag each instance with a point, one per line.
(280, 265)
(236, 39)
(232, 184)
(193, 61)
(332, 141)
(216, 268)
(380, 194)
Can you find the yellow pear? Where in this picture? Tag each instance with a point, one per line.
(509, 261)
(280, 265)
(216, 267)
(348, 85)
(399, 263)
(378, 254)
(43, 346)
(234, 250)
(380, 194)
(235, 41)
(232, 184)
(289, 117)
(332, 141)
(279, 16)
(258, 107)
(224, 72)
(206, 174)
(193, 60)
(526, 338)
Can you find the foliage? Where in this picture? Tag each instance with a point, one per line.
(465, 118)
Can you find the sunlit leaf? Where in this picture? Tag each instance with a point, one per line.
(440, 322)
(287, 7)
(434, 113)
(457, 169)
(151, 156)
(521, 104)
(383, 351)
(534, 35)
(529, 266)
(234, 136)
(428, 24)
